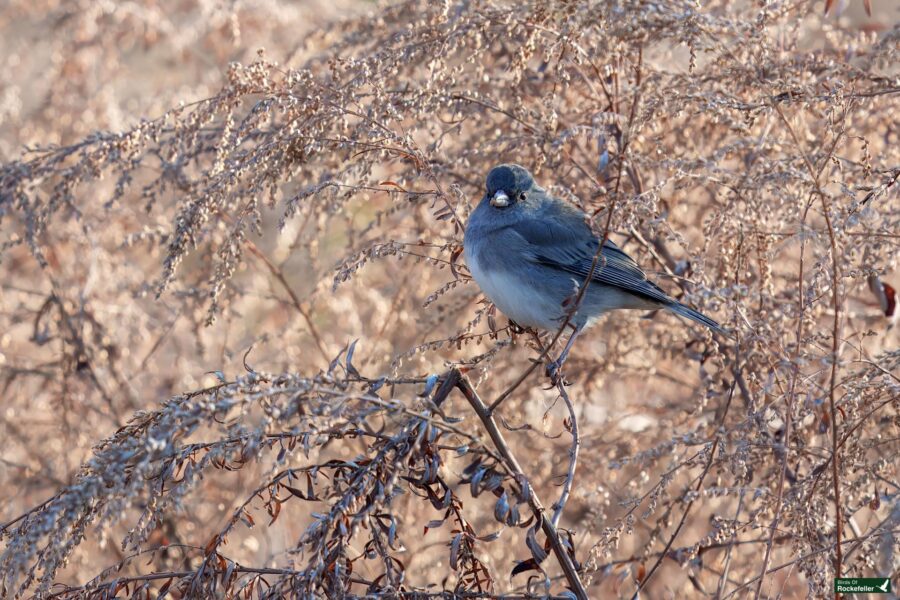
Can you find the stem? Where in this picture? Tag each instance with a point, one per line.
(527, 492)
(709, 462)
(573, 458)
(784, 466)
(279, 275)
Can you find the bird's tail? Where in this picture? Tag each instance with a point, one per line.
(688, 312)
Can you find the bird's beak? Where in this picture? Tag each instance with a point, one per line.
(500, 199)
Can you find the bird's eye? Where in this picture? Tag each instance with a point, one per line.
(521, 195)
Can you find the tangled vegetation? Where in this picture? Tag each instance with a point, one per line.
(241, 355)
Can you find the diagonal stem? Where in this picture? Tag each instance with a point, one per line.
(697, 488)
(527, 492)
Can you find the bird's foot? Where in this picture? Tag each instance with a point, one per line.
(554, 372)
(515, 327)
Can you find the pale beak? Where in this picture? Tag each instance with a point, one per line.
(500, 199)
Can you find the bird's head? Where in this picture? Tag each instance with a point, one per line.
(507, 185)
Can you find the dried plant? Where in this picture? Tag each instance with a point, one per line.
(186, 287)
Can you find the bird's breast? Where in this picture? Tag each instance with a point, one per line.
(517, 291)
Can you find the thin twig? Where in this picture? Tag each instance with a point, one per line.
(279, 275)
(560, 505)
(709, 462)
(700, 550)
(788, 420)
(723, 580)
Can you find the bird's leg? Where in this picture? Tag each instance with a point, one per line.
(554, 368)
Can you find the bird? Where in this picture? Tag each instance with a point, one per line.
(530, 253)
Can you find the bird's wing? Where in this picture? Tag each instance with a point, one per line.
(563, 241)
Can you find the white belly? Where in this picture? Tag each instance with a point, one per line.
(520, 300)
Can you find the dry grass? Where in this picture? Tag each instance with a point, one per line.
(185, 408)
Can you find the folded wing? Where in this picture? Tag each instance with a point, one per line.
(566, 243)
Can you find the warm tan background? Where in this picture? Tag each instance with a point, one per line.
(84, 343)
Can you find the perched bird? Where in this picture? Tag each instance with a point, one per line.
(530, 253)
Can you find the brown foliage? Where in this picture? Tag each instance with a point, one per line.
(185, 287)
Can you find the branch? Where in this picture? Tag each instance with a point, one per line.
(527, 492)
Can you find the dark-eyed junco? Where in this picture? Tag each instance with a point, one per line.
(530, 253)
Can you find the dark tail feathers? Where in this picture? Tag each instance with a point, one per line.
(688, 312)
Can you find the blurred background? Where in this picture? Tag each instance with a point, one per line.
(352, 243)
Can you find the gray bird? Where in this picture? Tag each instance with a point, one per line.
(530, 253)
